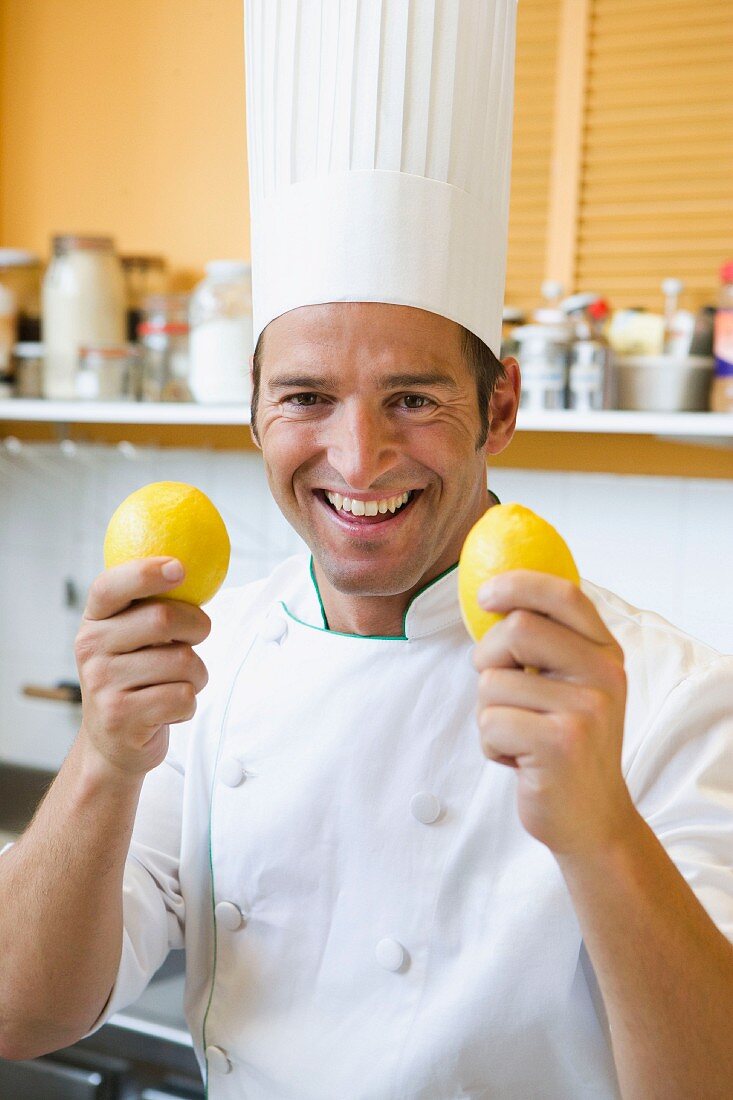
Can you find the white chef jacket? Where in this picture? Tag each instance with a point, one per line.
(363, 914)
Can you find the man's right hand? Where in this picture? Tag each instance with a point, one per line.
(137, 669)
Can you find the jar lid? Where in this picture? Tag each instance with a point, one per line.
(146, 263)
(18, 257)
(81, 242)
(223, 270)
(108, 351)
(549, 333)
(170, 328)
(28, 350)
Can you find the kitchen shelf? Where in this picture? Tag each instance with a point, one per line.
(700, 425)
(657, 444)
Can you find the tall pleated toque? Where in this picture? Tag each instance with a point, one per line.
(379, 136)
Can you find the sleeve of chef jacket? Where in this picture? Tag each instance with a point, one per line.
(153, 907)
(681, 779)
(152, 904)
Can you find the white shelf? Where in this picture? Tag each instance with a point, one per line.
(679, 425)
(122, 412)
(699, 426)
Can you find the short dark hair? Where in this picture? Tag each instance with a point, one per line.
(478, 356)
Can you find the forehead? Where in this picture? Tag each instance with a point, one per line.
(354, 333)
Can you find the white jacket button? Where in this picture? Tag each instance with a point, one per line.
(274, 628)
(391, 954)
(218, 1060)
(425, 807)
(229, 915)
(231, 771)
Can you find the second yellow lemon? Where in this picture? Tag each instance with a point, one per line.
(172, 519)
(508, 536)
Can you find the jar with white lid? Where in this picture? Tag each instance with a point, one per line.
(83, 303)
(221, 334)
(543, 360)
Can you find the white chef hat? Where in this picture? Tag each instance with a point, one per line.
(379, 136)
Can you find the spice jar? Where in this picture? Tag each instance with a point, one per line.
(144, 276)
(543, 358)
(83, 303)
(221, 333)
(163, 334)
(20, 273)
(28, 369)
(108, 373)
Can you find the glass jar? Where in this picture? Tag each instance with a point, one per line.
(543, 360)
(221, 333)
(28, 369)
(163, 335)
(107, 372)
(83, 303)
(144, 276)
(20, 273)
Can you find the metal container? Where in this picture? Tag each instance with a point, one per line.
(661, 383)
(589, 376)
(543, 358)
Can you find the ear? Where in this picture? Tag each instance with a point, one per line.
(503, 408)
(252, 433)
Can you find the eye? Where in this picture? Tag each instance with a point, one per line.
(301, 400)
(416, 401)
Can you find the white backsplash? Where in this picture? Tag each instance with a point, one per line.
(661, 543)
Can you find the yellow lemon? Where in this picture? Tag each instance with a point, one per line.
(508, 536)
(172, 519)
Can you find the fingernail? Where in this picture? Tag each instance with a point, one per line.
(172, 570)
(486, 594)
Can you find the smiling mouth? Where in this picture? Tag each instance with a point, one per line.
(376, 510)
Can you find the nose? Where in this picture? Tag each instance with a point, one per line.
(360, 445)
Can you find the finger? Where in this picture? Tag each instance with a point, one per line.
(163, 704)
(510, 733)
(503, 687)
(115, 589)
(525, 638)
(556, 597)
(168, 664)
(154, 623)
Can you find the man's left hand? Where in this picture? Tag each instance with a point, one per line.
(552, 698)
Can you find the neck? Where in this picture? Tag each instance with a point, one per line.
(384, 615)
(369, 615)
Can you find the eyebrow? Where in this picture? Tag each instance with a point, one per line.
(389, 382)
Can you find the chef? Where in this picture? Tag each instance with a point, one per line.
(401, 867)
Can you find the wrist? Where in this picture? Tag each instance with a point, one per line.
(99, 774)
(609, 852)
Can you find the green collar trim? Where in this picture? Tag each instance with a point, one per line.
(373, 637)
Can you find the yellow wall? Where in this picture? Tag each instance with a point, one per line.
(125, 117)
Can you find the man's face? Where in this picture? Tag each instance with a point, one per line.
(371, 401)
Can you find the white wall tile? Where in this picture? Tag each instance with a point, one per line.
(661, 543)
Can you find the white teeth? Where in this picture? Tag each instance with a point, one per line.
(367, 507)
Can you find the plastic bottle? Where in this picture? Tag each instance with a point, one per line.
(721, 392)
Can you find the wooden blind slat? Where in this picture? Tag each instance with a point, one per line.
(656, 194)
